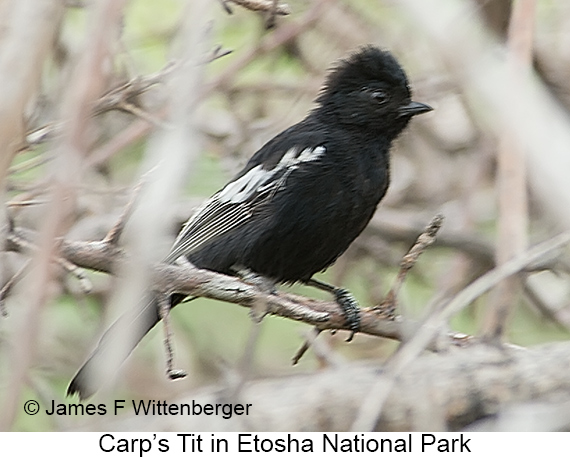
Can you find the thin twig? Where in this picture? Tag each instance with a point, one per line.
(264, 5)
(139, 112)
(271, 17)
(217, 53)
(306, 345)
(281, 36)
(321, 350)
(41, 135)
(245, 365)
(226, 6)
(25, 203)
(191, 281)
(164, 312)
(71, 268)
(129, 91)
(84, 281)
(140, 128)
(388, 305)
(125, 96)
(30, 164)
(136, 130)
(512, 224)
(8, 287)
(543, 307)
(116, 231)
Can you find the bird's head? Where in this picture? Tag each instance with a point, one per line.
(369, 90)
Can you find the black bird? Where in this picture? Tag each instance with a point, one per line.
(301, 199)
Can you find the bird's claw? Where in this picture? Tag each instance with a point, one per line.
(350, 309)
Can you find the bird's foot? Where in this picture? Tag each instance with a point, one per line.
(263, 283)
(350, 309)
(346, 301)
(258, 308)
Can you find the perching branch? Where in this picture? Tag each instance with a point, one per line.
(324, 315)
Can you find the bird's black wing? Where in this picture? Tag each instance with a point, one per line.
(236, 202)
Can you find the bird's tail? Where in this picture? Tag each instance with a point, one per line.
(115, 346)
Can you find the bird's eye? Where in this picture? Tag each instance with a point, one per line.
(379, 96)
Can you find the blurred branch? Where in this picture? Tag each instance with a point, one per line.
(461, 386)
(390, 227)
(281, 36)
(371, 411)
(512, 224)
(28, 32)
(7, 288)
(284, 34)
(546, 309)
(537, 120)
(261, 5)
(125, 97)
(76, 3)
(85, 87)
(169, 155)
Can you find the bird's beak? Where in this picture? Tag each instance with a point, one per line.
(414, 108)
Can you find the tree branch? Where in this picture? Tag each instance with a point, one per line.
(325, 315)
(438, 392)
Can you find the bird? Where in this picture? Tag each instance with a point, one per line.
(302, 198)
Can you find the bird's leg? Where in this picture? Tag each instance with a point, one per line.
(261, 282)
(346, 301)
(258, 309)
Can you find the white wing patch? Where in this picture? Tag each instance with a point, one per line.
(234, 204)
(292, 159)
(241, 189)
(309, 155)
